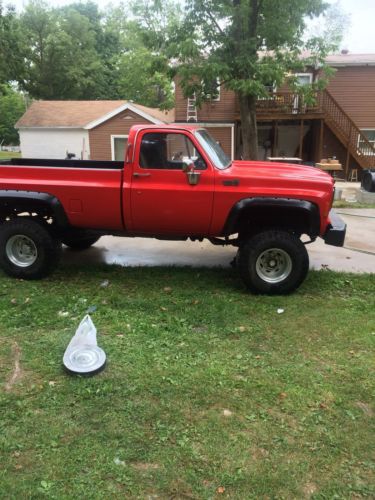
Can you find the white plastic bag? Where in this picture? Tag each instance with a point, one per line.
(83, 355)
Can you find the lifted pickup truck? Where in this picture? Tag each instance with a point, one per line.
(176, 183)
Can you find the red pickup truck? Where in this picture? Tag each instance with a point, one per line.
(176, 183)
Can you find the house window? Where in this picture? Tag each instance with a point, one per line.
(119, 144)
(304, 78)
(363, 146)
(298, 101)
(271, 87)
(211, 89)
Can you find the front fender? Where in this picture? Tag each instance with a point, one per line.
(308, 209)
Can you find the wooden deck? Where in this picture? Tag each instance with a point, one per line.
(286, 106)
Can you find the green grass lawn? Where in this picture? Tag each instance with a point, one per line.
(208, 391)
(350, 204)
(8, 154)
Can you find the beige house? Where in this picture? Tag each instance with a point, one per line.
(96, 130)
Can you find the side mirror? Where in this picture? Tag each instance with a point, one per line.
(191, 174)
(188, 166)
(193, 178)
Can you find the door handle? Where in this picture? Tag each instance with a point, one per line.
(138, 174)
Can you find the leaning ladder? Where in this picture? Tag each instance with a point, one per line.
(192, 115)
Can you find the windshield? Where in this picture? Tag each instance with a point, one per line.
(213, 149)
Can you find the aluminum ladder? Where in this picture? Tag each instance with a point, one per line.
(192, 114)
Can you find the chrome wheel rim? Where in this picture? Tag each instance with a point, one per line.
(21, 250)
(273, 265)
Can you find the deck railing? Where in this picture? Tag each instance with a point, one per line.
(286, 102)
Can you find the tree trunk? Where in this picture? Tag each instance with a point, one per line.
(249, 130)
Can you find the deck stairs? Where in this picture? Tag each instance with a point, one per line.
(348, 133)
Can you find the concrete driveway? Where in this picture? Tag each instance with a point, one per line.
(358, 256)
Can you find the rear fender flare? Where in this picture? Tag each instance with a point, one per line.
(33, 200)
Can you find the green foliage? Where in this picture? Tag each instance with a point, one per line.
(12, 107)
(106, 44)
(11, 45)
(157, 22)
(144, 73)
(79, 52)
(142, 78)
(124, 52)
(248, 45)
(62, 61)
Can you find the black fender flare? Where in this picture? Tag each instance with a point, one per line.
(27, 200)
(309, 209)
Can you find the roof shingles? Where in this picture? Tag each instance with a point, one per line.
(78, 114)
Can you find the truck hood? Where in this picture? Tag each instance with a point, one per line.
(277, 178)
(244, 179)
(275, 170)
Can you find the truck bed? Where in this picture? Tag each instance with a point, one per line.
(89, 191)
(45, 162)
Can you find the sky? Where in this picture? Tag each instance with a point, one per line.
(359, 38)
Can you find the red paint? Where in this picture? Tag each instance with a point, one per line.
(163, 203)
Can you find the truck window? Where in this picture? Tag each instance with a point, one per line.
(213, 149)
(168, 151)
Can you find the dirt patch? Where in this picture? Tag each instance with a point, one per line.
(278, 415)
(17, 371)
(367, 410)
(259, 453)
(309, 489)
(145, 466)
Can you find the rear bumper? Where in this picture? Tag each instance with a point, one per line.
(336, 230)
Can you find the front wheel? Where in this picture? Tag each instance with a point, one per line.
(27, 249)
(273, 262)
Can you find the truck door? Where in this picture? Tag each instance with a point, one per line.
(164, 198)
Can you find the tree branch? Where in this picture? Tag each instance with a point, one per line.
(216, 23)
(253, 21)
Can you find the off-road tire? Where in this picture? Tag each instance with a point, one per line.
(42, 253)
(273, 262)
(80, 243)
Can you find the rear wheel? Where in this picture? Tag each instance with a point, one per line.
(27, 249)
(273, 262)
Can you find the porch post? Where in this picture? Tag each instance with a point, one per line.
(274, 142)
(348, 155)
(301, 139)
(321, 138)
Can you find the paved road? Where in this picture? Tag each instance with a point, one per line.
(358, 256)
